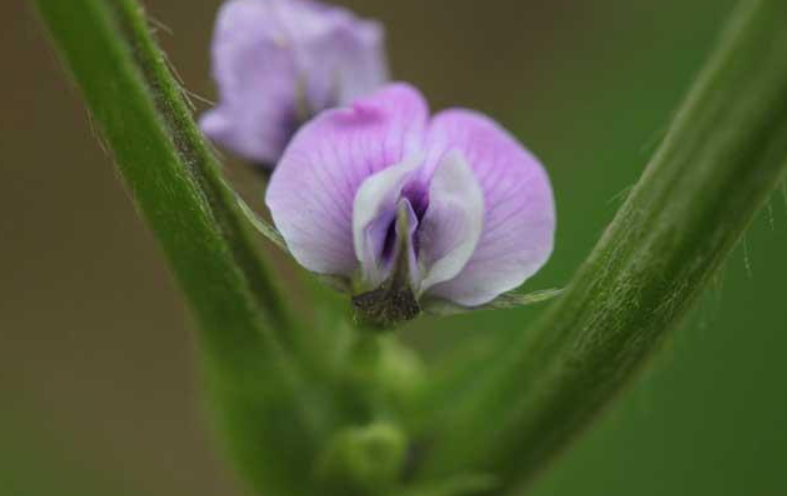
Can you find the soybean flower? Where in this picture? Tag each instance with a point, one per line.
(279, 62)
(408, 208)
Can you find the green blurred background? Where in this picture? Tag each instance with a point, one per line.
(99, 388)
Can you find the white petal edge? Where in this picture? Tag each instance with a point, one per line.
(453, 222)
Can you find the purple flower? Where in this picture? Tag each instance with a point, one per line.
(279, 62)
(379, 190)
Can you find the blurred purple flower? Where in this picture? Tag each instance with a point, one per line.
(279, 62)
(478, 208)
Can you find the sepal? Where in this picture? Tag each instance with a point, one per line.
(512, 299)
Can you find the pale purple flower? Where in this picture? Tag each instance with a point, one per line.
(476, 210)
(278, 62)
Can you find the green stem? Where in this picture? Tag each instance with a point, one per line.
(274, 412)
(724, 155)
(172, 106)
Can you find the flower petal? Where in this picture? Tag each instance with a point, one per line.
(312, 190)
(255, 74)
(344, 63)
(272, 57)
(374, 211)
(339, 56)
(406, 229)
(519, 212)
(452, 224)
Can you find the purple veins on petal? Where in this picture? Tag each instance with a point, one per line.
(276, 63)
(480, 206)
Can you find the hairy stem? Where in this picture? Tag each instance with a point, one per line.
(725, 154)
(275, 413)
(172, 106)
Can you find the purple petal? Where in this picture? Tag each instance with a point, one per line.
(453, 222)
(374, 211)
(313, 188)
(274, 60)
(343, 63)
(254, 72)
(519, 215)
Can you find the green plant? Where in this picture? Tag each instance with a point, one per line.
(298, 423)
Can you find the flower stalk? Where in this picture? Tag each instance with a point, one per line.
(725, 153)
